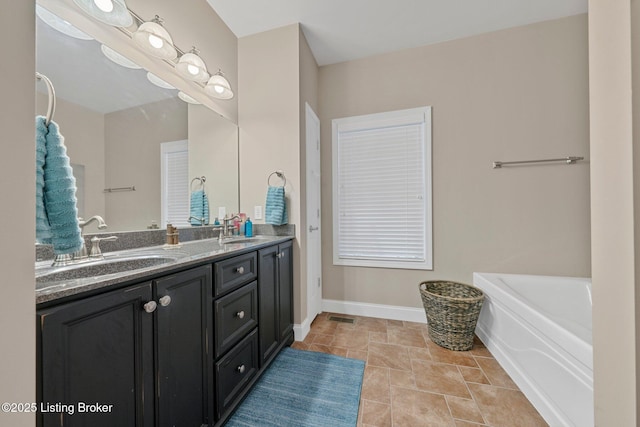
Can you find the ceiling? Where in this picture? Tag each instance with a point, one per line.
(343, 30)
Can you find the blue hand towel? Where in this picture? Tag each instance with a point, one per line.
(199, 208)
(56, 211)
(276, 206)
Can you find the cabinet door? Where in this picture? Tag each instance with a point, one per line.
(285, 291)
(268, 302)
(98, 350)
(184, 357)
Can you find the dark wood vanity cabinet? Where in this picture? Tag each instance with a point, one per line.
(179, 350)
(141, 349)
(275, 283)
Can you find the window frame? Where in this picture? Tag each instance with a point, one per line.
(165, 149)
(383, 120)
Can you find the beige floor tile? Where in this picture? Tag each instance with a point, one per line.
(389, 356)
(443, 355)
(375, 384)
(405, 336)
(376, 414)
(321, 339)
(415, 325)
(353, 340)
(357, 354)
(414, 408)
(404, 379)
(419, 353)
(460, 423)
(473, 375)
(503, 407)
(439, 378)
(299, 345)
(378, 337)
(328, 349)
(494, 372)
(371, 325)
(310, 337)
(464, 409)
(397, 323)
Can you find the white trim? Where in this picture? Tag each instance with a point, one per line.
(382, 311)
(300, 331)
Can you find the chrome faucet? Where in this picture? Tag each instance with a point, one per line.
(82, 253)
(226, 229)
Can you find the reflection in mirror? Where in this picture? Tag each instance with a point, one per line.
(115, 123)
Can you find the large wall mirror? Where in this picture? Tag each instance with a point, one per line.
(123, 132)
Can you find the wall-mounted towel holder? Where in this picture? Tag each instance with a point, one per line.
(51, 106)
(202, 180)
(113, 190)
(280, 175)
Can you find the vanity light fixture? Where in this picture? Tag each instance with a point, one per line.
(186, 98)
(218, 86)
(118, 59)
(59, 24)
(158, 81)
(112, 12)
(155, 40)
(192, 67)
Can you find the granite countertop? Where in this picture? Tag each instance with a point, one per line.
(54, 283)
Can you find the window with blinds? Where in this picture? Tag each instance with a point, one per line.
(382, 190)
(175, 183)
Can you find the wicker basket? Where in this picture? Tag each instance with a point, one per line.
(452, 312)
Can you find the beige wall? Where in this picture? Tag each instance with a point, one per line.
(308, 95)
(17, 212)
(83, 132)
(132, 158)
(615, 239)
(213, 153)
(269, 121)
(515, 94)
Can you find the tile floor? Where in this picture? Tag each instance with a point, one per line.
(411, 381)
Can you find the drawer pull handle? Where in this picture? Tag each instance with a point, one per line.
(279, 255)
(240, 270)
(165, 300)
(240, 314)
(150, 307)
(240, 369)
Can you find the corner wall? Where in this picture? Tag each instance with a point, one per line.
(615, 237)
(269, 122)
(17, 212)
(515, 94)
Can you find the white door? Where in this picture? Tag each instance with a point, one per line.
(314, 233)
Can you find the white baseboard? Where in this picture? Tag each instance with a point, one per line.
(382, 311)
(300, 331)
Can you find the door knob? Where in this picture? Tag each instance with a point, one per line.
(150, 307)
(240, 315)
(240, 270)
(165, 300)
(241, 369)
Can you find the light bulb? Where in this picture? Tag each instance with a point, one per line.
(193, 69)
(218, 88)
(155, 41)
(104, 5)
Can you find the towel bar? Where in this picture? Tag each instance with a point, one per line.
(280, 175)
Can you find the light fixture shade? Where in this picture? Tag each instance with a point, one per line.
(192, 67)
(112, 12)
(59, 24)
(218, 86)
(158, 81)
(187, 98)
(118, 59)
(155, 40)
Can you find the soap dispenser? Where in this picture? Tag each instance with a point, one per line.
(248, 228)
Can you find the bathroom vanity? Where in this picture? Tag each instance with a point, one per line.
(179, 344)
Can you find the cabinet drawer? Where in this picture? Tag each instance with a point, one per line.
(235, 315)
(234, 272)
(234, 372)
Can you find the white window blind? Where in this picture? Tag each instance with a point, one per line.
(175, 183)
(382, 190)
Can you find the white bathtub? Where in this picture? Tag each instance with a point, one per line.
(539, 330)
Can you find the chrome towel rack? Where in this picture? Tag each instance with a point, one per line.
(113, 190)
(280, 175)
(568, 160)
(51, 106)
(202, 180)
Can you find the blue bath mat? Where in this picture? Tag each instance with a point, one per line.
(304, 389)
